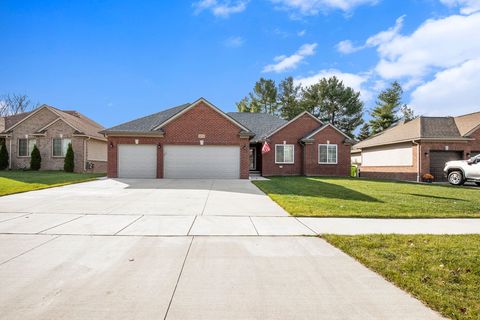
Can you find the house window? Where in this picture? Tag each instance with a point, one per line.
(284, 153)
(60, 147)
(327, 153)
(25, 147)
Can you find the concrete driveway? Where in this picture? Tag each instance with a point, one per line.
(166, 249)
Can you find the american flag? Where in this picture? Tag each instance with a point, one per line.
(265, 148)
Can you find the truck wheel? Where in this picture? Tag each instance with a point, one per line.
(456, 178)
(477, 183)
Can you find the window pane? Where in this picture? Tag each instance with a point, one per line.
(288, 154)
(57, 147)
(323, 153)
(31, 144)
(279, 156)
(65, 146)
(22, 147)
(332, 153)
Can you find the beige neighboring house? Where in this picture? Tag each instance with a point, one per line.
(52, 130)
(423, 145)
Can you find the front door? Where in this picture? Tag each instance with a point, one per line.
(253, 158)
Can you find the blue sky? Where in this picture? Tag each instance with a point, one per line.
(118, 60)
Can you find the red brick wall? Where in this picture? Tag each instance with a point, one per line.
(184, 130)
(291, 134)
(313, 168)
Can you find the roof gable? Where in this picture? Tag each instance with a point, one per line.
(468, 123)
(328, 125)
(292, 121)
(207, 103)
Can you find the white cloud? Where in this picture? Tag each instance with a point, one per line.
(466, 6)
(436, 44)
(301, 33)
(356, 81)
(314, 7)
(452, 92)
(221, 8)
(347, 46)
(234, 42)
(284, 63)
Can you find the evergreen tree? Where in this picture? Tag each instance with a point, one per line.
(243, 105)
(384, 115)
(3, 156)
(69, 163)
(333, 102)
(364, 132)
(407, 113)
(35, 159)
(288, 99)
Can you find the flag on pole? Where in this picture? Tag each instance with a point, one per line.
(265, 148)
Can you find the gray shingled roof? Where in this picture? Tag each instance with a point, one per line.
(146, 124)
(259, 123)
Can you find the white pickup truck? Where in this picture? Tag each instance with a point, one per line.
(458, 172)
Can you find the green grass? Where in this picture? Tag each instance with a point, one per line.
(21, 181)
(442, 271)
(353, 197)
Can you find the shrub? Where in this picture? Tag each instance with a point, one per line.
(353, 171)
(3, 156)
(35, 159)
(69, 163)
(427, 177)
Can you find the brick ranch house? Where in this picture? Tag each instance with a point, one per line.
(51, 130)
(198, 140)
(423, 145)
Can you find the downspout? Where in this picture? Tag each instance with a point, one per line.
(85, 153)
(419, 161)
(10, 154)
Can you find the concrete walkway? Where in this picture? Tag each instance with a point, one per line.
(159, 225)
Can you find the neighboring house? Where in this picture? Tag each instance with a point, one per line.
(423, 145)
(198, 140)
(52, 130)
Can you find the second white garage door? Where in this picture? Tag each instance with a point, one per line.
(201, 162)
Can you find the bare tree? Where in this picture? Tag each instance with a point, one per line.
(13, 103)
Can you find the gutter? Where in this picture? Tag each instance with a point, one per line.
(419, 161)
(85, 153)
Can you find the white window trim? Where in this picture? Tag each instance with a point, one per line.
(336, 152)
(53, 156)
(28, 147)
(293, 153)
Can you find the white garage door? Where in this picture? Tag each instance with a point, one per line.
(201, 162)
(137, 161)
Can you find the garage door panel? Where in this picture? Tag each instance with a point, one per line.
(201, 162)
(438, 160)
(137, 161)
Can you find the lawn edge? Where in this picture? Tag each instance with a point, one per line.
(424, 302)
(360, 216)
(52, 186)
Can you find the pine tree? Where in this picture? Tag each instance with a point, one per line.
(243, 105)
(364, 132)
(35, 159)
(333, 102)
(384, 115)
(3, 156)
(69, 163)
(288, 99)
(407, 113)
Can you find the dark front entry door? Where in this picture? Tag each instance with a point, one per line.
(253, 158)
(438, 160)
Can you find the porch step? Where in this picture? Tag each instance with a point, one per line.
(255, 173)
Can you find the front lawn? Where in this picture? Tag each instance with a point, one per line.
(21, 181)
(442, 271)
(353, 197)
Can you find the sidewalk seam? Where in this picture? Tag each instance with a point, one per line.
(178, 279)
(25, 252)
